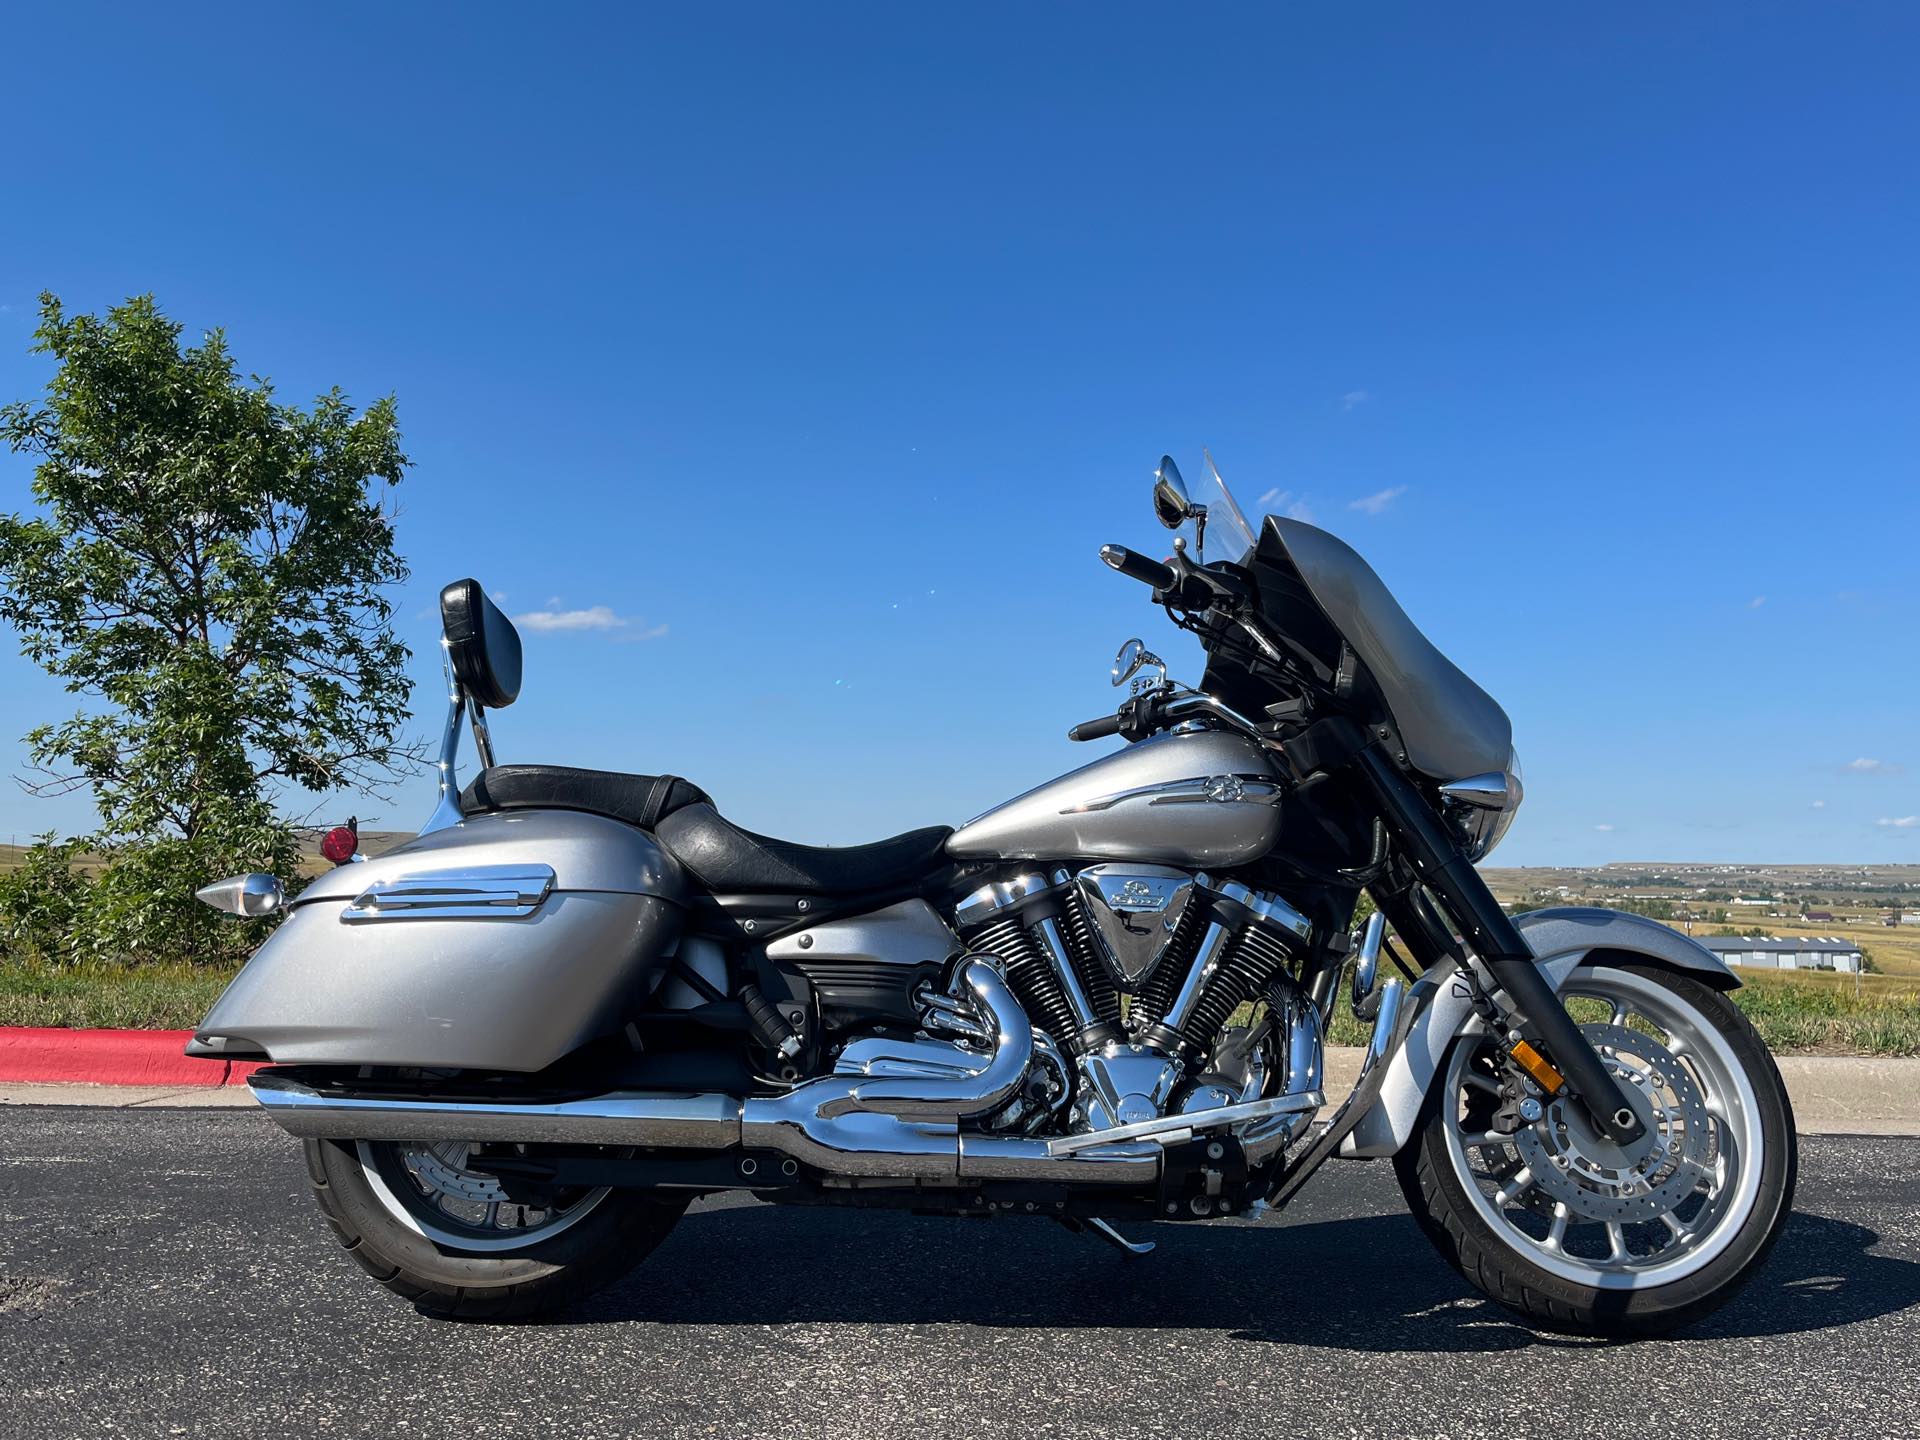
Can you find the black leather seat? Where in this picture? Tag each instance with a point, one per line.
(642, 800)
(730, 860)
(722, 856)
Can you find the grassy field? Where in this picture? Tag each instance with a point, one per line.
(144, 997)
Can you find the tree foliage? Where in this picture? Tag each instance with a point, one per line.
(210, 567)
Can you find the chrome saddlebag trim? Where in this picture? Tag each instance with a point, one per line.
(479, 892)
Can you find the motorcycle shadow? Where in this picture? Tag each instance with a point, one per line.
(1364, 1284)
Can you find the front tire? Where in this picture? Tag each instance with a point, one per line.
(458, 1265)
(1579, 1236)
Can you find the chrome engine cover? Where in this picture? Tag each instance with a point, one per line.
(1123, 1084)
(1134, 909)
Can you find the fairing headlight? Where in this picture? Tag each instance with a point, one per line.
(1482, 807)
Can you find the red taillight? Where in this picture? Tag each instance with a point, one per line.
(340, 843)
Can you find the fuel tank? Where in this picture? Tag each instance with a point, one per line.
(499, 943)
(1204, 798)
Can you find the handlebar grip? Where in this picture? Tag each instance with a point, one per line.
(1095, 729)
(1136, 566)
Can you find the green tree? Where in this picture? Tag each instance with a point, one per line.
(210, 565)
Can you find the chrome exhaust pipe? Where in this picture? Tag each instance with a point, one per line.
(684, 1122)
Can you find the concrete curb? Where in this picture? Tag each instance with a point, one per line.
(110, 1057)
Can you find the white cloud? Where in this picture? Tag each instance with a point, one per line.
(1603, 827)
(594, 617)
(1865, 766)
(1756, 602)
(1377, 502)
(1819, 804)
(1283, 502)
(1904, 822)
(1354, 398)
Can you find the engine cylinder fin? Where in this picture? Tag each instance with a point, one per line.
(1164, 983)
(1094, 976)
(1252, 959)
(1029, 972)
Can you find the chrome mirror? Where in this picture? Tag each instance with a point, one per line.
(1171, 503)
(1133, 657)
(1175, 507)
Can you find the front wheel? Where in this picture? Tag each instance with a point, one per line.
(444, 1234)
(1535, 1206)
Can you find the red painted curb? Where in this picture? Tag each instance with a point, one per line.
(35, 1056)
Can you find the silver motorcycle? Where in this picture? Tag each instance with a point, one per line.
(517, 1046)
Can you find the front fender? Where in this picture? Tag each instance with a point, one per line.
(1561, 941)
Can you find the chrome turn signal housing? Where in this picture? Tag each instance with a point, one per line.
(248, 896)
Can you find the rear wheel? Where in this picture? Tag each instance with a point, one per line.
(1528, 1200)
(436, 1230)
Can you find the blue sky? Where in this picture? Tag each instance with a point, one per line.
(814, 351)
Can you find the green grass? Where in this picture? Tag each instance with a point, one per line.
(1795, 1013)
(142, 997)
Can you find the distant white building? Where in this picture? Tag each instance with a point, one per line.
(1773, 953)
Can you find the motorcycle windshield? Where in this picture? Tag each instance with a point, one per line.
(1228, 535)
(1450, 726)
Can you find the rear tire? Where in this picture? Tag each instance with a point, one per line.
(1487, 1236)
(500, 1282)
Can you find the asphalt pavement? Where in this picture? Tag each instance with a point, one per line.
(164, 1272)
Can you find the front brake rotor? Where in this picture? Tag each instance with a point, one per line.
(1574, 1164)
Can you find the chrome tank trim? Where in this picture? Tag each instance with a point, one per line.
(1191, 790)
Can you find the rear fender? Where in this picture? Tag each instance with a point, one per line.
(1562, 940)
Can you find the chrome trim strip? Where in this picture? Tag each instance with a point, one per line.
(1171, 1129)
(1191, 790)
(480, 892)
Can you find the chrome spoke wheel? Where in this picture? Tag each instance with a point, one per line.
(1558, 1191)
(433, 1190)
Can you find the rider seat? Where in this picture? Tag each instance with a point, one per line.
(725, 858)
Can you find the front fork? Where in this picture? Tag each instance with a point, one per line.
(1532, 1010)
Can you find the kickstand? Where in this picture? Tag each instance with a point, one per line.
(1107, 1233)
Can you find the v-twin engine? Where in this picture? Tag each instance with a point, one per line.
(1188, 952)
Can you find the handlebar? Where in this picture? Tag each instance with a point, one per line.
(1142, 715)
(1098, 729)
(1136, 566)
